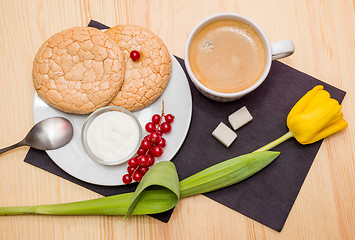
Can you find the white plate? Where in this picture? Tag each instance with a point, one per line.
(72, 157)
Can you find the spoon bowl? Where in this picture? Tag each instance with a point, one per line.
(48, 134)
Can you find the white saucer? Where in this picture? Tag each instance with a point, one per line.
(72, 157)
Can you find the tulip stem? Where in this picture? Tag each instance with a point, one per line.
(275, 142)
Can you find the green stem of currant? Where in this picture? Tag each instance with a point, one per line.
(161, 116)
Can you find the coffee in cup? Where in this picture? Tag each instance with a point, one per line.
(227, 56)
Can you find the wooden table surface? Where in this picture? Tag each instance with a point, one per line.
(324, 36)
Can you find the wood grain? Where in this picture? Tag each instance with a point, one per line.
(324, 35)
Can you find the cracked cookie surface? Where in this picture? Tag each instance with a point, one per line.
(78, 70)
(145, 79)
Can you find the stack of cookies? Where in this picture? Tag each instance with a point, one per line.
(82, 69)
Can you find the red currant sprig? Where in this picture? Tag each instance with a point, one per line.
(151, 147)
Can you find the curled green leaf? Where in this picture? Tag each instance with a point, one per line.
(162, 175)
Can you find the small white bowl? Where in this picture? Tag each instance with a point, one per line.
(87, 124)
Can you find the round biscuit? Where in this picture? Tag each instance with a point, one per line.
(145, 79)
(78, 70)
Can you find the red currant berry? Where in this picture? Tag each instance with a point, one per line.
(130, 170)
(165, 127)
(143, 170)
(141, 151)
(150, 127)
(154, 137)
(146, 137)
(137, 176)
(151, 160)
(143, 161)
(156, 119)
(162, 142)
(126, 179)
(135, 55)
(169, 118)
(146, 144)
(160, 133)
(132, 162)
(156, 151)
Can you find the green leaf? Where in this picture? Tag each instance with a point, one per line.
(226, 173)
(158, 192)
(159, 189)
(161, 175)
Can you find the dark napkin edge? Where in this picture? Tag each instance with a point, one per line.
(98, 25)
(276, 228)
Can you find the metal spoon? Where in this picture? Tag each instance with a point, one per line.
(48, 134)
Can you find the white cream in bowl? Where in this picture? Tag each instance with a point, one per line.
(111, 135)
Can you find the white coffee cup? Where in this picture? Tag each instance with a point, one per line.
(273, 51)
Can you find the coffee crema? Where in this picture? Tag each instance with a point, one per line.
(227, 56)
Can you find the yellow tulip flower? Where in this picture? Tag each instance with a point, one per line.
(315, 116)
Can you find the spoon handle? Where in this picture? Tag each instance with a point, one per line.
(19, 144)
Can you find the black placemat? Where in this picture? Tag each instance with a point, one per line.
(266, 197)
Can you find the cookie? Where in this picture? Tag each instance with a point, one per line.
(146, 78)
(78, 70)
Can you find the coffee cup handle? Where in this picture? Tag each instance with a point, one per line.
(282, 49)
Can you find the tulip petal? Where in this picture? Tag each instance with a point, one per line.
(331, 129)
(319, 99)
(323, 115)
(336, 118)
(303, 102)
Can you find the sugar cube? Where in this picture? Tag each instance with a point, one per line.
(239, 118)
(224, 134)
